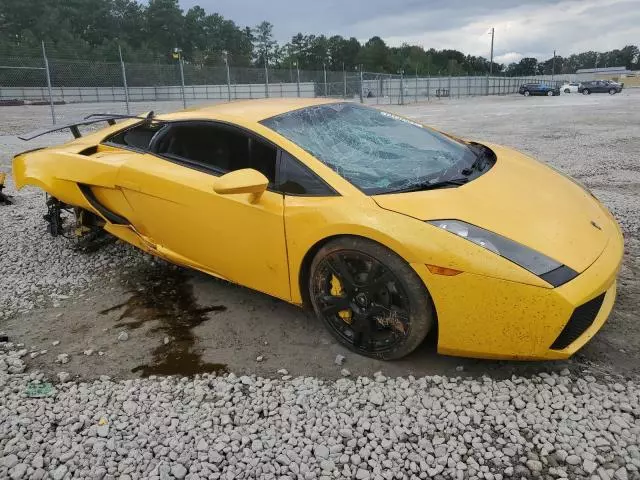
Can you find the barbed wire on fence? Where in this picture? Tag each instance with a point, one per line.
(43, 80)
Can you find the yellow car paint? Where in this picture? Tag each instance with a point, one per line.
(232, 227)
(562, 210)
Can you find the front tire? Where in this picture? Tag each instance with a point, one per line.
(612, 91)
(369, 298)
(566, 90)
(526, 93)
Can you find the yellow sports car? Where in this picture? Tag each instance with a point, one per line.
(388, 228)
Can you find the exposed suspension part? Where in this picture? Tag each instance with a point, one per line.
(54, 216)
(4, 198)
(90, 235)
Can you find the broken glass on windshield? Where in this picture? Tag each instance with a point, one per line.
(376, 151)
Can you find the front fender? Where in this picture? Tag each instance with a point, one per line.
(310, 220)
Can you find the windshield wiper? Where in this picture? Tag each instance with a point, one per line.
(452, 182)
(480, 163)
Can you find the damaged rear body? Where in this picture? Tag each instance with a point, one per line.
(81, 177)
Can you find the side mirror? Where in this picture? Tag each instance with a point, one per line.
(246, 180)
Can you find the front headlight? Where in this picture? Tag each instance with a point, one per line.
(537, 263)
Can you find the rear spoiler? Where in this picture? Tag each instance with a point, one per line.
(110, 118)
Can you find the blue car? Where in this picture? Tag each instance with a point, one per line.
(527, 89)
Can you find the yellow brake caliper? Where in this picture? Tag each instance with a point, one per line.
(336, 291)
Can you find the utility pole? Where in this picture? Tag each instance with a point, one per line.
(491, 61)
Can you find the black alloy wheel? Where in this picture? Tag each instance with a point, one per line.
(369, 298)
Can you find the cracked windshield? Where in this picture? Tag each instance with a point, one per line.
(378, 152)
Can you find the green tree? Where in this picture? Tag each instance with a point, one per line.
(146, 32)
(525, 67)
(165, 26)
(265, 47)
(343, 53)
(375, 56)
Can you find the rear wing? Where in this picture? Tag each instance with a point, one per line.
(110, 118)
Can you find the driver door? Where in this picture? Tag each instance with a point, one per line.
(228, 235)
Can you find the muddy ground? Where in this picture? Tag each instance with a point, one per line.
(183, 322)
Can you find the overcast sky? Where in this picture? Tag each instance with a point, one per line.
(522, 27)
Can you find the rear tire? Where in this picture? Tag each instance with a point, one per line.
(566, 90)
(381, 308)
(550, 93)
(586, 91)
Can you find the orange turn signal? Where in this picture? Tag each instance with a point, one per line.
(449, 272)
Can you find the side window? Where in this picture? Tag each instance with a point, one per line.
(218, 148)
(297, 179)
(137, 137)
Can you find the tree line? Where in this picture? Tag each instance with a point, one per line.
(147, 33)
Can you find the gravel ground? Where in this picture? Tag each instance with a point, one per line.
(523, 421)
(547, 426)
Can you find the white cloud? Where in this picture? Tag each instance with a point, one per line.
(522, 27)
(509, 57)
(527, 29)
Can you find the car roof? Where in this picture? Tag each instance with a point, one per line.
(248, 110)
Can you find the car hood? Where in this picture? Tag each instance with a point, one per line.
(521, 199)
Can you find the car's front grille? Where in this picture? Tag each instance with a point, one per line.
(580, 321)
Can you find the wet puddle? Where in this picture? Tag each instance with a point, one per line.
(164, 295)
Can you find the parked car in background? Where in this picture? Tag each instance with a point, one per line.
(569, 88)
(527, 89)
(600, 86)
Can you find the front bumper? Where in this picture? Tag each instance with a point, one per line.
(486, 317)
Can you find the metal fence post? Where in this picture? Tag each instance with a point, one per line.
(298, 79)
(324, 68)
(226, 63)
(361, 86)
(266, 78)
(344, 78)
(124, 79)
(184, 98)
(46, 66)
(401, 87)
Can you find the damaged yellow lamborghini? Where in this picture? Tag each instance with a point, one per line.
(387, 228)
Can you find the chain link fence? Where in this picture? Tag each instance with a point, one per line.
(36, 80)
